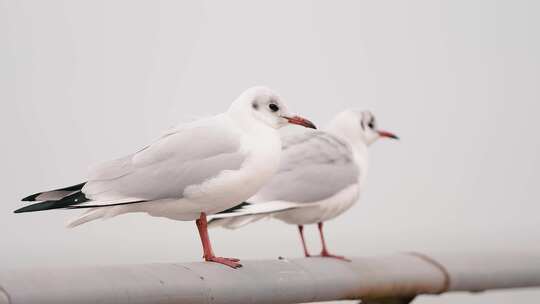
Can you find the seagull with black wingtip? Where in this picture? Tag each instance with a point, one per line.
(194, 170)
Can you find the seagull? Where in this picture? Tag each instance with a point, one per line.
(321, 175)
(196, 169)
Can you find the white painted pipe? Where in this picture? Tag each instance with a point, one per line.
(271, 281)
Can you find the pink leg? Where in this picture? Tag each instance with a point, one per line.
(301, 230)
(324, 252)
(209, 256)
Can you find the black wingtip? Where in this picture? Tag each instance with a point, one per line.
(233, 209)
(36, 207)
(70, 200)
(31, 198)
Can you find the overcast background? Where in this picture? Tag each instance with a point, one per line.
(86, 81)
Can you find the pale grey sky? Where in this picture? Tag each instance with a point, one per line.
(86, 81)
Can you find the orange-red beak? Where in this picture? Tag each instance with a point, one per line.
(297, 120)
(387, 134)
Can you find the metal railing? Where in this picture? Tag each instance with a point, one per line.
(372, 279)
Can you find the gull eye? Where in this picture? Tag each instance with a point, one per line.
(371, 124)
(273, 107)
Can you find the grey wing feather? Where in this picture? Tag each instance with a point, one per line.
(314, 166)
(166, 168)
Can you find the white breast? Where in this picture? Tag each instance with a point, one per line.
(262, 148)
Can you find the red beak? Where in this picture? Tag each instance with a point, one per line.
(387, 134)
(297, 120)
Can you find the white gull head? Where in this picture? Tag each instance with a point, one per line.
(262, 105)
(357, 127)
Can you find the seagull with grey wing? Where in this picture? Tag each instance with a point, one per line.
(321, 175)
(195, 170)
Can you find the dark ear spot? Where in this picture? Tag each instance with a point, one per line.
(362, 125)
(255, 105)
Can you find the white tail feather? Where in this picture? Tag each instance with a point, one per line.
(89, 215)
(249, 213)
(236, 222)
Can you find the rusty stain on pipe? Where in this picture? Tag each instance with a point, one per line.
(4, 297)
(439, 266)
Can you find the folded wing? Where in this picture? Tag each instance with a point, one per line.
(188, 156)
(314, 166)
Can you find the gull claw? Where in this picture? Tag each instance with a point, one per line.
(333, 256)
(231, 262)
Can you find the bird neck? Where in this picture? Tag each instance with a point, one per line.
(248, 123)
(346, 128)
(238, 114)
